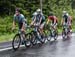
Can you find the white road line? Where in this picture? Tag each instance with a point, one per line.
(9, 48)
(59, 37)
(5, 49)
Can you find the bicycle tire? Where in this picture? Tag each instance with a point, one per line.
(28, 40)
(13, 44)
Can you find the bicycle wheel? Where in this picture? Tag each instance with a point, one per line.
(16, 42)
(64, 35)
(28, 40)
(50, 35)
(53, 35)
(33, 39)
(56, 35)
(47, 34)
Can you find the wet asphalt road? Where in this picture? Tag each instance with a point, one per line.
(58, 48)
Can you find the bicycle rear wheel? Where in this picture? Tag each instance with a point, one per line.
(64, 35)
(56, 35)
(28, 40)
(16, 42)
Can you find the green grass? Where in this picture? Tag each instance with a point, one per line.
(9, 37)
(6, 38)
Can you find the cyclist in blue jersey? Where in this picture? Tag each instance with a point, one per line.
(20, 19)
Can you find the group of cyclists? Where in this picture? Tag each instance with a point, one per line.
(39, 19)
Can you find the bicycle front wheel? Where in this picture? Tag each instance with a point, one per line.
(16, 42)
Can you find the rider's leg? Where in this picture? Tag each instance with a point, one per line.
(21, 29)
(41, 28)
(70, 28)
(55, 27)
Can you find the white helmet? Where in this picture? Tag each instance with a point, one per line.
(64, 12)
(35, 13)
(38, 10)
(67, 14)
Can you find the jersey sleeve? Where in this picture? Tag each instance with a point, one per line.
(23, 18)
(49, 17)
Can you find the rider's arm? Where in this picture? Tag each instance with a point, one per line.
(62, 21)
(71, 19)
(14, 24)
(55, 19)
(40, 20)
(48, 20)
(23, 26)
(33, 21)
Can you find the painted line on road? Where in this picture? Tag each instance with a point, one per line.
(9, 48)
(5, 49)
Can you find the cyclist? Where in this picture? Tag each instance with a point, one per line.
(54, 20)
(39, 19)
(33, 18)
(67, 19)
(20, 19)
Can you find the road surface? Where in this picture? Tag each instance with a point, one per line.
(58, 48)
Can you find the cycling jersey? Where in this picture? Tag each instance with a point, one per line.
(20, 19)
(52, 18)
(40, 16)
(65, 17)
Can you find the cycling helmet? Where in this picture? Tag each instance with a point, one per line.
(64, 12)
(67, 14)
(38, 10)
(35, 13)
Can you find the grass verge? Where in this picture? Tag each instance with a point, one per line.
(9, 37)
